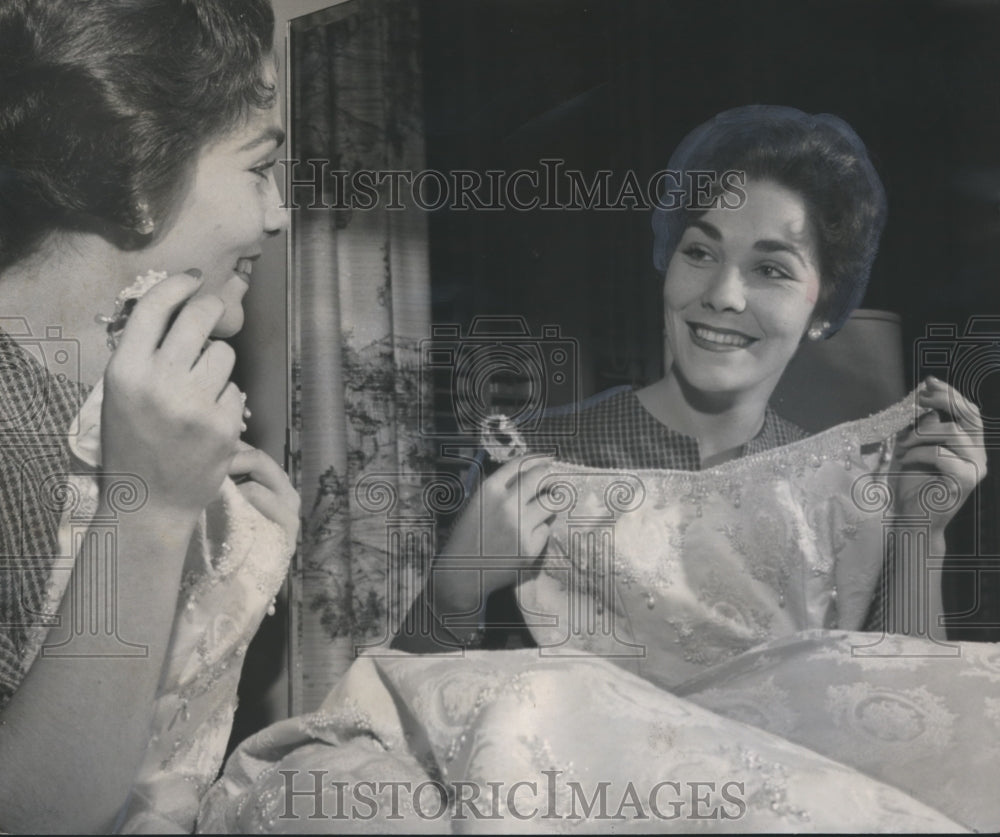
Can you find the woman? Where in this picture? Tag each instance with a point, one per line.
(694, 570)
(777, 251)
(135, 136)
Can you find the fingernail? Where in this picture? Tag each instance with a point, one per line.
(193, 272)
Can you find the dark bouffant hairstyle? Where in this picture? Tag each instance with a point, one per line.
(106, 103)
(822, 159)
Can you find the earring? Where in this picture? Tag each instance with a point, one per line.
(818, 331)
(146, 223)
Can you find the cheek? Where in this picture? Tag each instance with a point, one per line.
(781, 312)
(230, 233)
(812, 293)
(794, 319)
(231, 218)
(245, 224)
(678, 290)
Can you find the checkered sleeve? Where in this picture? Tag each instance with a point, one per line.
(36, 409)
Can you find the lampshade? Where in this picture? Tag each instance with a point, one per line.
(855, 373)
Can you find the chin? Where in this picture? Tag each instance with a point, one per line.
(230, 324)
(715, 386)
(715, 381)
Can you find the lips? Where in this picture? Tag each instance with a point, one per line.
(244, 267)
(719, 339)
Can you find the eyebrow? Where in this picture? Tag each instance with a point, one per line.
(273, 133)
(765, 245)
(710, 230)
(769, 245)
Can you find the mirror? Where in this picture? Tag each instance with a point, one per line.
(455, 160)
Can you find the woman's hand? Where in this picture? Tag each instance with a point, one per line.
(171, 416)
(500, 534)
(947, 441)
(267, 488)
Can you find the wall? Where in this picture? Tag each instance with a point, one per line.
(262, 349)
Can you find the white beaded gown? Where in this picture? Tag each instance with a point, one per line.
(700, 668)
(236, 562)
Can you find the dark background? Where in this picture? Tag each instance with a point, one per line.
(616, 85)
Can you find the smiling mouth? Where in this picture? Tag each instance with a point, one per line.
(244, 267)
(719, 339)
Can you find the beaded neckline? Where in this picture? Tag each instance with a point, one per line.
(838, 443)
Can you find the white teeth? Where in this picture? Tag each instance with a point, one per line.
(244, 266)
(723, 339)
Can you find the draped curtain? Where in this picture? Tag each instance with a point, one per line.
(360, 305)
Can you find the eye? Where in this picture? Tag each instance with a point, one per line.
(697, 253)
(264, 169)
(774, 271)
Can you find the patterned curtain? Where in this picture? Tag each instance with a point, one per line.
(360, 307)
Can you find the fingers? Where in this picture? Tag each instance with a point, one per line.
(939, 454)
(527, 479)
(262, 469)
(931, 430)
(935, 439)
(950, 431)
(930, 457)
(950, 403)
(523, 490)
(537, 539)
(151, 317)
(214, 367)
(230, 404)
(517, 480)
(517, 469)
(268, 503)
(947, 440)
(267, 488)
(192, 327)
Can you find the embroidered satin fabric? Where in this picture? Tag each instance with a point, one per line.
(802, 734)
(713, 563)
(746, 708)
(235, 565)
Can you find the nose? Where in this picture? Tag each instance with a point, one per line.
(725, 291)
(275, 214)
